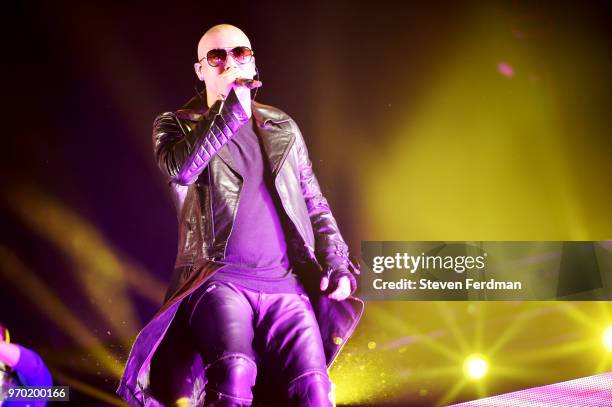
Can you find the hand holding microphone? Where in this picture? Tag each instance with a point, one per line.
(232, 78)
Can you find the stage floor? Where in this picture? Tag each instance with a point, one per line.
(593, 391)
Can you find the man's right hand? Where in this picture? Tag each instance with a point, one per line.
(228, 77)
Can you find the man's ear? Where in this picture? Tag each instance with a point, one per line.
(198, 70)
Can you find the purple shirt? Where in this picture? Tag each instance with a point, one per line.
(256, 252)
(30, 370)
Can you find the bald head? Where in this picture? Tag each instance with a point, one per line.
(222, 36)
(219, 77)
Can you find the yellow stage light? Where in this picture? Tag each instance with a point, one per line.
(606, 338)
(475, 366)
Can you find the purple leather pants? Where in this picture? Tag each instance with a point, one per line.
(247, 337)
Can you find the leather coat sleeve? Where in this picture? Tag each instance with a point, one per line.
(183, 154)
(330, 249)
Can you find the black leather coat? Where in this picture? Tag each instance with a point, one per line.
(206, 186)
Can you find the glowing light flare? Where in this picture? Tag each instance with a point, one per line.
(475, 366)
(606, 338)
(108, 398)
(49, 304)
(105, 275)
(331, 396)
(505, 69)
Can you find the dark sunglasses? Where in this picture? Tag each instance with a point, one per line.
(218, 56)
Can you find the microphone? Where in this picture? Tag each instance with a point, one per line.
(248, 83)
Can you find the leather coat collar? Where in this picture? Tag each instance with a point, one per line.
(273, 127)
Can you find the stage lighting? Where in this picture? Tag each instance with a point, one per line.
(606, 338)
(475, 366)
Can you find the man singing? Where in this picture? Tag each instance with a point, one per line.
(260, 302)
